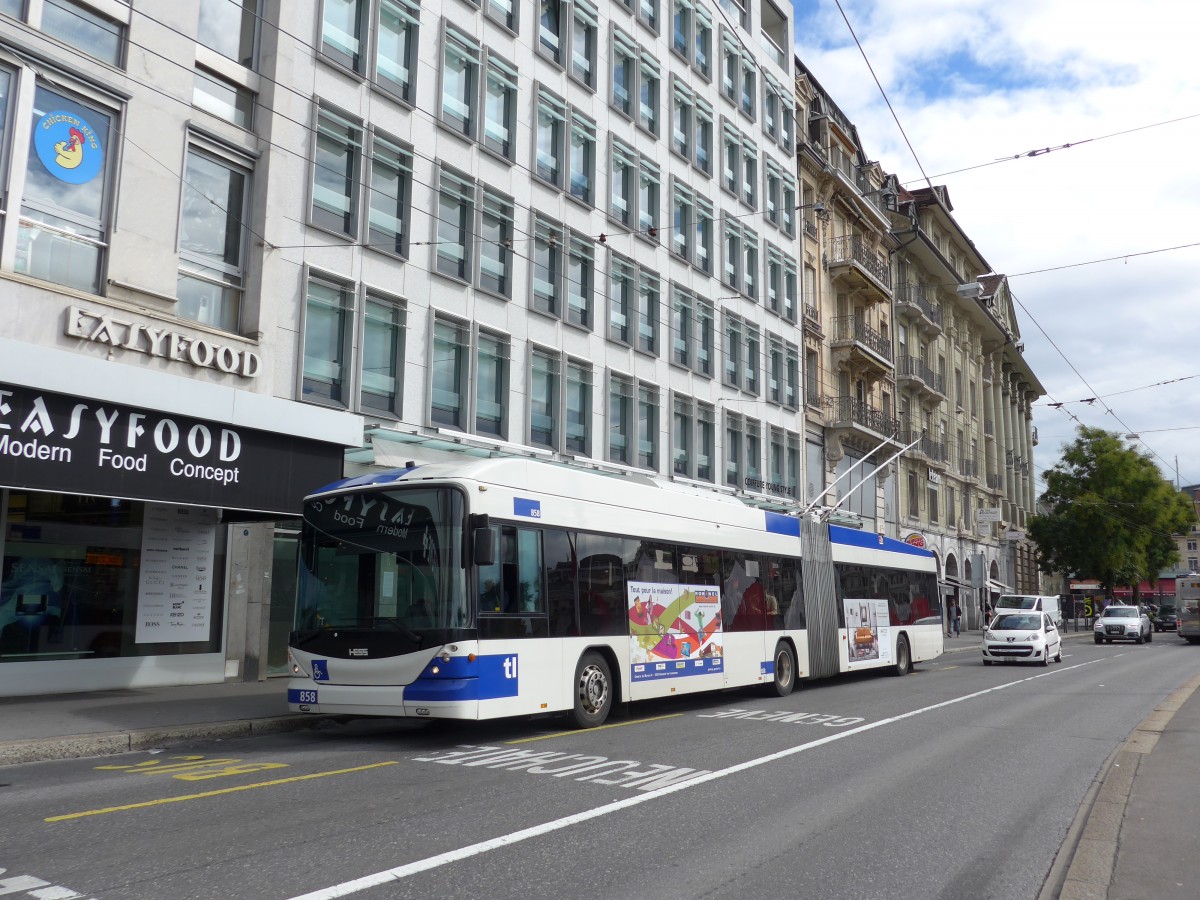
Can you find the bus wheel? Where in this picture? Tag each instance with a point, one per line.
(785, 669)
(593, 691)
(903, 657)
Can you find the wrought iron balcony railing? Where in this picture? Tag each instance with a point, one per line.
(915, 367)
(852, 248)
(853, 328)
(852, 411)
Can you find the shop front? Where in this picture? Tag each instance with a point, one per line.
(138, 543)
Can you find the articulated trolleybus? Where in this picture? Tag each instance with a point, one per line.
(509, 587)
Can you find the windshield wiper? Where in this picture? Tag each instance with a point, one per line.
(413, 636)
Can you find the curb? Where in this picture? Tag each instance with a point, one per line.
(107, 743)
(1085, 863)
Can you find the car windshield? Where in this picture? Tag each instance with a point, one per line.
(1120, 612)
(1014, 622)
(1166, 610)
(1017, 601)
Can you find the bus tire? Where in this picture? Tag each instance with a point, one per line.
(785, 669)
(593, 691)
(903, 657)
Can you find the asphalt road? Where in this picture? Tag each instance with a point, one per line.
(957, 781)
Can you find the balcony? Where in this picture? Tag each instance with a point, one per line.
(989, 429)
(926, 448)
(861, 268)
(861, 425)
(968, 467)
(995, 482)
(913, 302)
(914, 372)
(862, 346)
(809, 228)
(987, 373)
(812, 320)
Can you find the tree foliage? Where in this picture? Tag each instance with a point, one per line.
(1111, 515)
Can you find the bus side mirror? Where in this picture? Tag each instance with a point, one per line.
(483, 541)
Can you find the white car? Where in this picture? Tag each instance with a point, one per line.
(1123, 623)
(1022, 636)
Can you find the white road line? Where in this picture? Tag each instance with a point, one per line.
(442, 859)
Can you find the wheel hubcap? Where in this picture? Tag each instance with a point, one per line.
(593, 688)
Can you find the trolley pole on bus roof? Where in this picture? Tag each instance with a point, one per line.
(898, 453)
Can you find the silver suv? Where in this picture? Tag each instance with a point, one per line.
(1123, 623)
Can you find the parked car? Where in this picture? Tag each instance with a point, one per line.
(1167, 619)
(1022, 636)
(1123, 623)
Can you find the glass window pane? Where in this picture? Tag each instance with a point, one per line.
(83, 30)
(335, 174)
(382, 355)
(325, 342)
(341, 32)
(391, 177)
(397, 41)
(223, 99)
(228, 26)
(491, 385)
(449, 374)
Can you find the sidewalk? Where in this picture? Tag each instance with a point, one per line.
(1133, 836)
(63, 726)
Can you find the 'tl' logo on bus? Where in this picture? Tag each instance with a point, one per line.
(510, 667)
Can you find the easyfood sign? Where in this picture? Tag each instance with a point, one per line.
(79, 445)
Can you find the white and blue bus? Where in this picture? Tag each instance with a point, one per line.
(508, 587)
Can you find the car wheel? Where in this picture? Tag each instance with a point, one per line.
(1149, 636)
(1140, 639)
(1058, 655)
(1099, 640)
(987, 662)
(1045, 660)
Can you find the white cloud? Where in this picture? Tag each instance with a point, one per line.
(1032, 74)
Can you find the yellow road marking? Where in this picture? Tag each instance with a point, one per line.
(546, 737)
(229, 790)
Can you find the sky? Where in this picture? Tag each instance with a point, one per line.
(975, 81)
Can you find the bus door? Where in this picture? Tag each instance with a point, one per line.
(748, 612)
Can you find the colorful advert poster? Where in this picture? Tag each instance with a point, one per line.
(674, 630)
(868, 633)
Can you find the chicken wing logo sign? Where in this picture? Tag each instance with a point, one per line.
(68, 147)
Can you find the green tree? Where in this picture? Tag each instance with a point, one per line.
(1111, 513)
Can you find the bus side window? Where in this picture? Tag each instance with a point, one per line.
(513, 584)
(603, 608)
(560, 583)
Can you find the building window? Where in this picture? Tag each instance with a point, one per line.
(460, 75)
(211, 241)
(706, 442)
(774, 279)
(704, 236)
(495, 244)
(749, 102)
(648, 82)
(491, 385)
(649, 180)
(622, 165)
(550, 30)
(620, 299)
(624, 69)
(733, 350)
(503, 11)
(391, 193)
(500, 107)
(682, 352)
(750, 264)
(327, 341)
(63, 231)
(731, 173)
(706, 338)
(933, 503)
(648, 13)
(449, 374)
(581, 279)
(547, 267)
(753, 441)
(582, 158)
(336, 171)
(682, 229)
(396, 53)
(84, 30)
(544, 400)
(551, 124)
(384, 326)
(733, 449)
(647, 312)
(579, 409)
(620, 419)
(731, 66)
(733, 255)
(647, 457)
(791, 394)
(750, 174)
(750, 381)
(775, 370)
(703, 142)
(342, 32)
(681, 28)
(682, 436)
(584, 34)
(229, 27)
(455, 215)
(682, 103)
(222, 98)
(914, 495)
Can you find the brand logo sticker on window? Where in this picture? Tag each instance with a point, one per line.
(68, 147)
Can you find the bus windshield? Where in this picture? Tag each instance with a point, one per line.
(384, 560)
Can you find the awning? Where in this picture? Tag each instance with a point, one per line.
(950, 583)
(995, 585)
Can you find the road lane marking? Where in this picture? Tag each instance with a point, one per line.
(229, 790)
(442, 859)
(562, 734)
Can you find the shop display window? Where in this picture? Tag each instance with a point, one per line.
(70, 579)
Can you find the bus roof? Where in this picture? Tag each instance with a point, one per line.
(631, 491)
